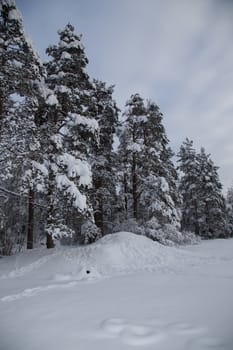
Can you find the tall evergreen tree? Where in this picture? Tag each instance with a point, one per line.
(130, 150)
(103, 194)
(204, 209)
(229, 203)
(148, 176)
(72, 133)
(213, 217)
(160, 193)
(20, 66)
(21, 76)
(188, 187)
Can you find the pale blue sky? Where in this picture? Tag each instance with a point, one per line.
(178, 53)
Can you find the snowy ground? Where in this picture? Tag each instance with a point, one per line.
(138, 294)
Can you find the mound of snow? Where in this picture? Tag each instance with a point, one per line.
(115, 254)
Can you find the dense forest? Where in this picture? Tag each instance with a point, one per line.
(74, 167)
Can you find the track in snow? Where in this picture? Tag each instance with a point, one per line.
(156, 333)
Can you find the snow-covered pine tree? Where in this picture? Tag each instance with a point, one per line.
(160, 194)
(19, 64)
(72, 132)
(229, 204)
(148, 176)
(103, 193)
(20, 77)
(129, 154)
(203, 208)
(213, 222)
(188, 187)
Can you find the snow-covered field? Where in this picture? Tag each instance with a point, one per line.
(138, 294)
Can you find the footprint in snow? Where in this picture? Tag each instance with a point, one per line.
(153, 332)
(129, 333)
(30, 292)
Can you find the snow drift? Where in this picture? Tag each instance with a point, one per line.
(137, 293)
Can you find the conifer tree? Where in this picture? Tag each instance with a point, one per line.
(72, 133)
(160, 194)
(130, 151)
(188, 187)
(19, 63)
(21, 75)
(229, 204)
(103, 194)
(203, 209)
(213, 221)
(148, 176)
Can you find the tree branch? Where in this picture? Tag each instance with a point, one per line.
(20, 195)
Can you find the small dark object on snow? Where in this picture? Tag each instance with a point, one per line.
(88, 271)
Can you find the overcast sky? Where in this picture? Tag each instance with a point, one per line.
(178, 53)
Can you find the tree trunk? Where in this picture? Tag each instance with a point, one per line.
(31, 208)
(126, 195)
(134, 189)
(50, 212)
(197, 228)
(1, 105)
(49, 241)
(99, 215)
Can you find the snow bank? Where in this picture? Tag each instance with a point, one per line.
(116, 254)
(171, 299)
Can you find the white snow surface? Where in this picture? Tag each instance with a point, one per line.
(138, 294)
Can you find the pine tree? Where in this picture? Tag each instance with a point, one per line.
(160, 194)
(213, 217)
(188, 166)
(130, 151)
(18, 61)
(71, 135)
(21, 75)
(103, 194)
(148, 176)
(229, 204)
(204, 209)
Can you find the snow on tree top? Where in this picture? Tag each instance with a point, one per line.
(14, 15)
(11, 10)
(69, 29)
(72, 44)
(9, 3)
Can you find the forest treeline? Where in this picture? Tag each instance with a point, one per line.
(62, 175)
